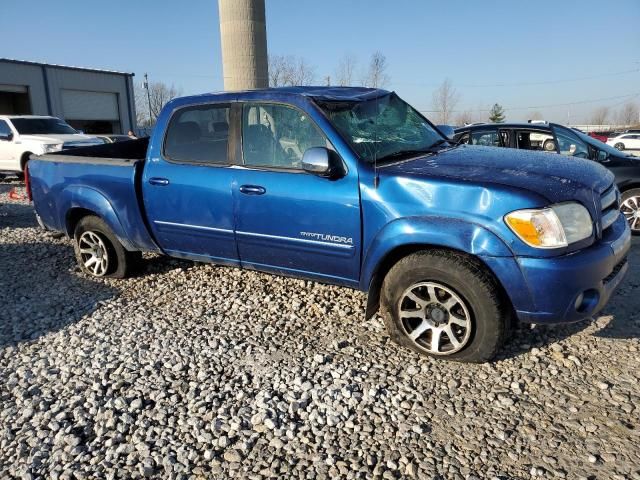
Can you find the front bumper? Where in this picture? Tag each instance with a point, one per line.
(568, 288)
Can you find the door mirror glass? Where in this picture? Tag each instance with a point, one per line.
(6, 136)
(317, 160)
(602, 156)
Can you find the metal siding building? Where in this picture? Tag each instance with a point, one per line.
(95, 101)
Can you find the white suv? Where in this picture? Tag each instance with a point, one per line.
(24, 135)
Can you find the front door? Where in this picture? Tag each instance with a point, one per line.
(187, 186)
(290, 221)
(7, 148)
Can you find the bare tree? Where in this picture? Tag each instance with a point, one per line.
(142, 106)
(629, 114)
(148, 107)
(464, 118)
(376, 75)
(536, 116)
(599, 116)
(289, 71)
(444, 101)
(346, 70)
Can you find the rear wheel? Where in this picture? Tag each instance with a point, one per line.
(99, 252)
(619, 146)
(630, 208)
(549, 146)
(445, 304)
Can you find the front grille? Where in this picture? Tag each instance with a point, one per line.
(610, 206)
(615, 271)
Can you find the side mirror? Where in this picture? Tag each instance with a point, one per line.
(7, 137)
(447, 131)
(320, 161)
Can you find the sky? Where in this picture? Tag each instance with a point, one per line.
(562, 59)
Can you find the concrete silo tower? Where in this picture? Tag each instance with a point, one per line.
(243, 35)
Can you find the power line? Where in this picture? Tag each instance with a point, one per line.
(524, 84)
(579, 102)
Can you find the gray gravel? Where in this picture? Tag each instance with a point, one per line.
(197, 371)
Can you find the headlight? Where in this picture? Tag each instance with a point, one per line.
(553, 227)
(51, 147)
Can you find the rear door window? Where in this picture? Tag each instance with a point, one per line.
(487, 138)
(198, 134)
(535, 140)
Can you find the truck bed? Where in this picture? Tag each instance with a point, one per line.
(121, 153)
(104, 179)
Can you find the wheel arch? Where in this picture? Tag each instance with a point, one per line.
(392, 244)
(83, 201)
(24, 159)
(402, 251)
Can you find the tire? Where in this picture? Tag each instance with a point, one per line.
(549, 146)
(619, 146)
(94, 239)
(463, 289)
(23, 165)
(630, 208)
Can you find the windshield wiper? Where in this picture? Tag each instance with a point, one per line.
(401, 154)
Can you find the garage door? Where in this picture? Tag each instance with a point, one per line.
(82, 105)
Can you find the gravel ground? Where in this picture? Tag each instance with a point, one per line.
(197, 371)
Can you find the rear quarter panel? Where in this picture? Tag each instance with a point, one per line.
(105, 188)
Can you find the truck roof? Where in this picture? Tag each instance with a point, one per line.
(26, 116)
(327, 93)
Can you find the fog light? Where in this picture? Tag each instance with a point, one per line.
(579, 301)
(587, 301)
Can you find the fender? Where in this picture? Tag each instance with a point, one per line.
(456, 234)
(76, 196)
(452, 233)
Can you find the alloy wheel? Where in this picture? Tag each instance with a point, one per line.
(630, 208)
(94, 253)
(435, 318)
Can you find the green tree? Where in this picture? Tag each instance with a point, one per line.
(496, 114)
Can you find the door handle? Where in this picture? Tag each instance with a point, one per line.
(159, 181)
(253, 190)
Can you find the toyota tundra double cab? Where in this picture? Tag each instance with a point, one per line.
(350, 186)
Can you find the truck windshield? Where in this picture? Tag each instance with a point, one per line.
(41, 126)
(382, 129)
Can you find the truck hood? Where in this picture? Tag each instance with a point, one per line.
(556, 177)
(56, 138)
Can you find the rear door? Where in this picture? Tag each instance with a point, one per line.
(487, 137)
(187, 187)
(290, 221)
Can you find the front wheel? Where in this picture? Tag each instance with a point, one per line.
(445, 304)
(630, 208)
(619, 146)
(99, 252)
(549, 146)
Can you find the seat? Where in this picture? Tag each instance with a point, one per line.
(260, 146)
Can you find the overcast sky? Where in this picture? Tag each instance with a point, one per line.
(543, 54)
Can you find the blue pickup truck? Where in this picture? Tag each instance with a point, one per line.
(350, 186)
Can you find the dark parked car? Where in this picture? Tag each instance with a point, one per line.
(554, 138)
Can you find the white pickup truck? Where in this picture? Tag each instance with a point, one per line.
(24, 135)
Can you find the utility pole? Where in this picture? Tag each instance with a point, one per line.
(328, 81)
(146, 86)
